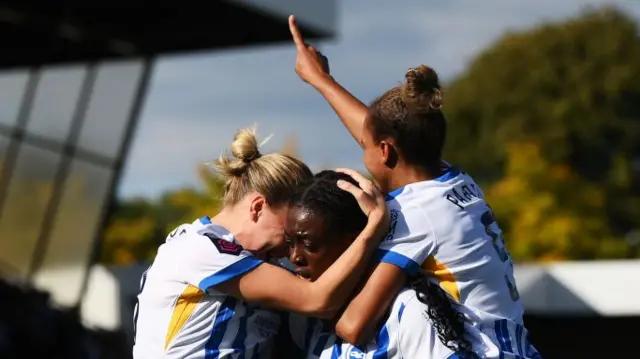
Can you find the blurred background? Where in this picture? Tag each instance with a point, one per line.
(109, 114)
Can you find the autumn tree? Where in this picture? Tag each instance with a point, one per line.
(568, 95)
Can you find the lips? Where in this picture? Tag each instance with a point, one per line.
(303, 273)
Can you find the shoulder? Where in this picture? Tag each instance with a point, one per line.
(207, 244)
(410, 219)
(224, 246)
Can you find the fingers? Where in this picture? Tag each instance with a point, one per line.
(364, 183)
(356, 192)
(295, 32)
(325, 64)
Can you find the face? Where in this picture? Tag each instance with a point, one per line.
(375, 156)
(311, 247)
(266, 229)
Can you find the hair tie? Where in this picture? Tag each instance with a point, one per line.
(252, 158)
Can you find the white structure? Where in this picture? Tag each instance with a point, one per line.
(599, 288)
(68, 111)
(569, 288)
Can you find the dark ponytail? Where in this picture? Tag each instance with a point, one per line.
(446, 320)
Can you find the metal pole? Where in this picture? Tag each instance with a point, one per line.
(148, 65)
(59, 181)
(17, 134)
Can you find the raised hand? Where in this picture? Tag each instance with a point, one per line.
(372, 202)
(311, 65)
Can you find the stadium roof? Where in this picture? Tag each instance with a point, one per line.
(35, 32)
(606, 288)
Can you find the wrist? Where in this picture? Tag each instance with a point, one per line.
(323, 82)
(370, 237)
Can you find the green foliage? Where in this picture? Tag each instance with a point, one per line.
(572, 89)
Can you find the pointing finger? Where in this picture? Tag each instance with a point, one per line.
(295, 32)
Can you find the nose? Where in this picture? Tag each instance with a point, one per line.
(295, 256)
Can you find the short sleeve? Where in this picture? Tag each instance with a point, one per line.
(409, 241)
(210, 260)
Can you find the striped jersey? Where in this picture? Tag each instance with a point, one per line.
(445, 228)
(406, 334)
(180, 315)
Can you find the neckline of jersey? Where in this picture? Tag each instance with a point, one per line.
(449, 173)
(219, 230)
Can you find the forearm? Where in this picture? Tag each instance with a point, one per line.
(360, 319)
(336, 284)
(352, 112)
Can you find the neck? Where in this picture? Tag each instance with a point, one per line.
(229, 220)
(405, 174)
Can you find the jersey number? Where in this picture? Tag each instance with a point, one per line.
(488, 219)
(136, 308)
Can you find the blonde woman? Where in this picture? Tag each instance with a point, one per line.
(209, 293)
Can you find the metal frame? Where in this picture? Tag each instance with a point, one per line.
(19, 136)
(59, 180)
(148, 66)
(17, 133)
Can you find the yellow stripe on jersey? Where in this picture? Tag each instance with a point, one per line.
(182, 310)
(444, 276)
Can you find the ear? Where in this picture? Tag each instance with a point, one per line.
(258, 204)
(388, 153)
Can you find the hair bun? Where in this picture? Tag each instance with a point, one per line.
(245, 145)
(423, 88)
(245, 150)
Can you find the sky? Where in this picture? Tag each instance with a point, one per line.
(197, 102)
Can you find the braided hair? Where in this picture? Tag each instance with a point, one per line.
(446, 320)
(341, 213)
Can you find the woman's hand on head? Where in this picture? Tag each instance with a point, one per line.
(371, 200)
(311, 65)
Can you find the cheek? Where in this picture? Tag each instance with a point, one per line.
(325, 259)
(367, 159)
(272, 228)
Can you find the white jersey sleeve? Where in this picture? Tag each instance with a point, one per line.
(410, 239)
(212, 260)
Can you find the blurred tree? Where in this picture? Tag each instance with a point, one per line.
(291, 146)
(130, 234)
(571, 90)
(552, 213)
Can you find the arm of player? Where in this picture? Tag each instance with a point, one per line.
(313, 68)
(277, 288)
(362, 316)
(409, 242)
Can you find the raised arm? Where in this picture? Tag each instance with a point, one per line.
(277, 288)
(313, 68)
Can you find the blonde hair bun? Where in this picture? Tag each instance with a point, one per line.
(244, 149)
(274, 175)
